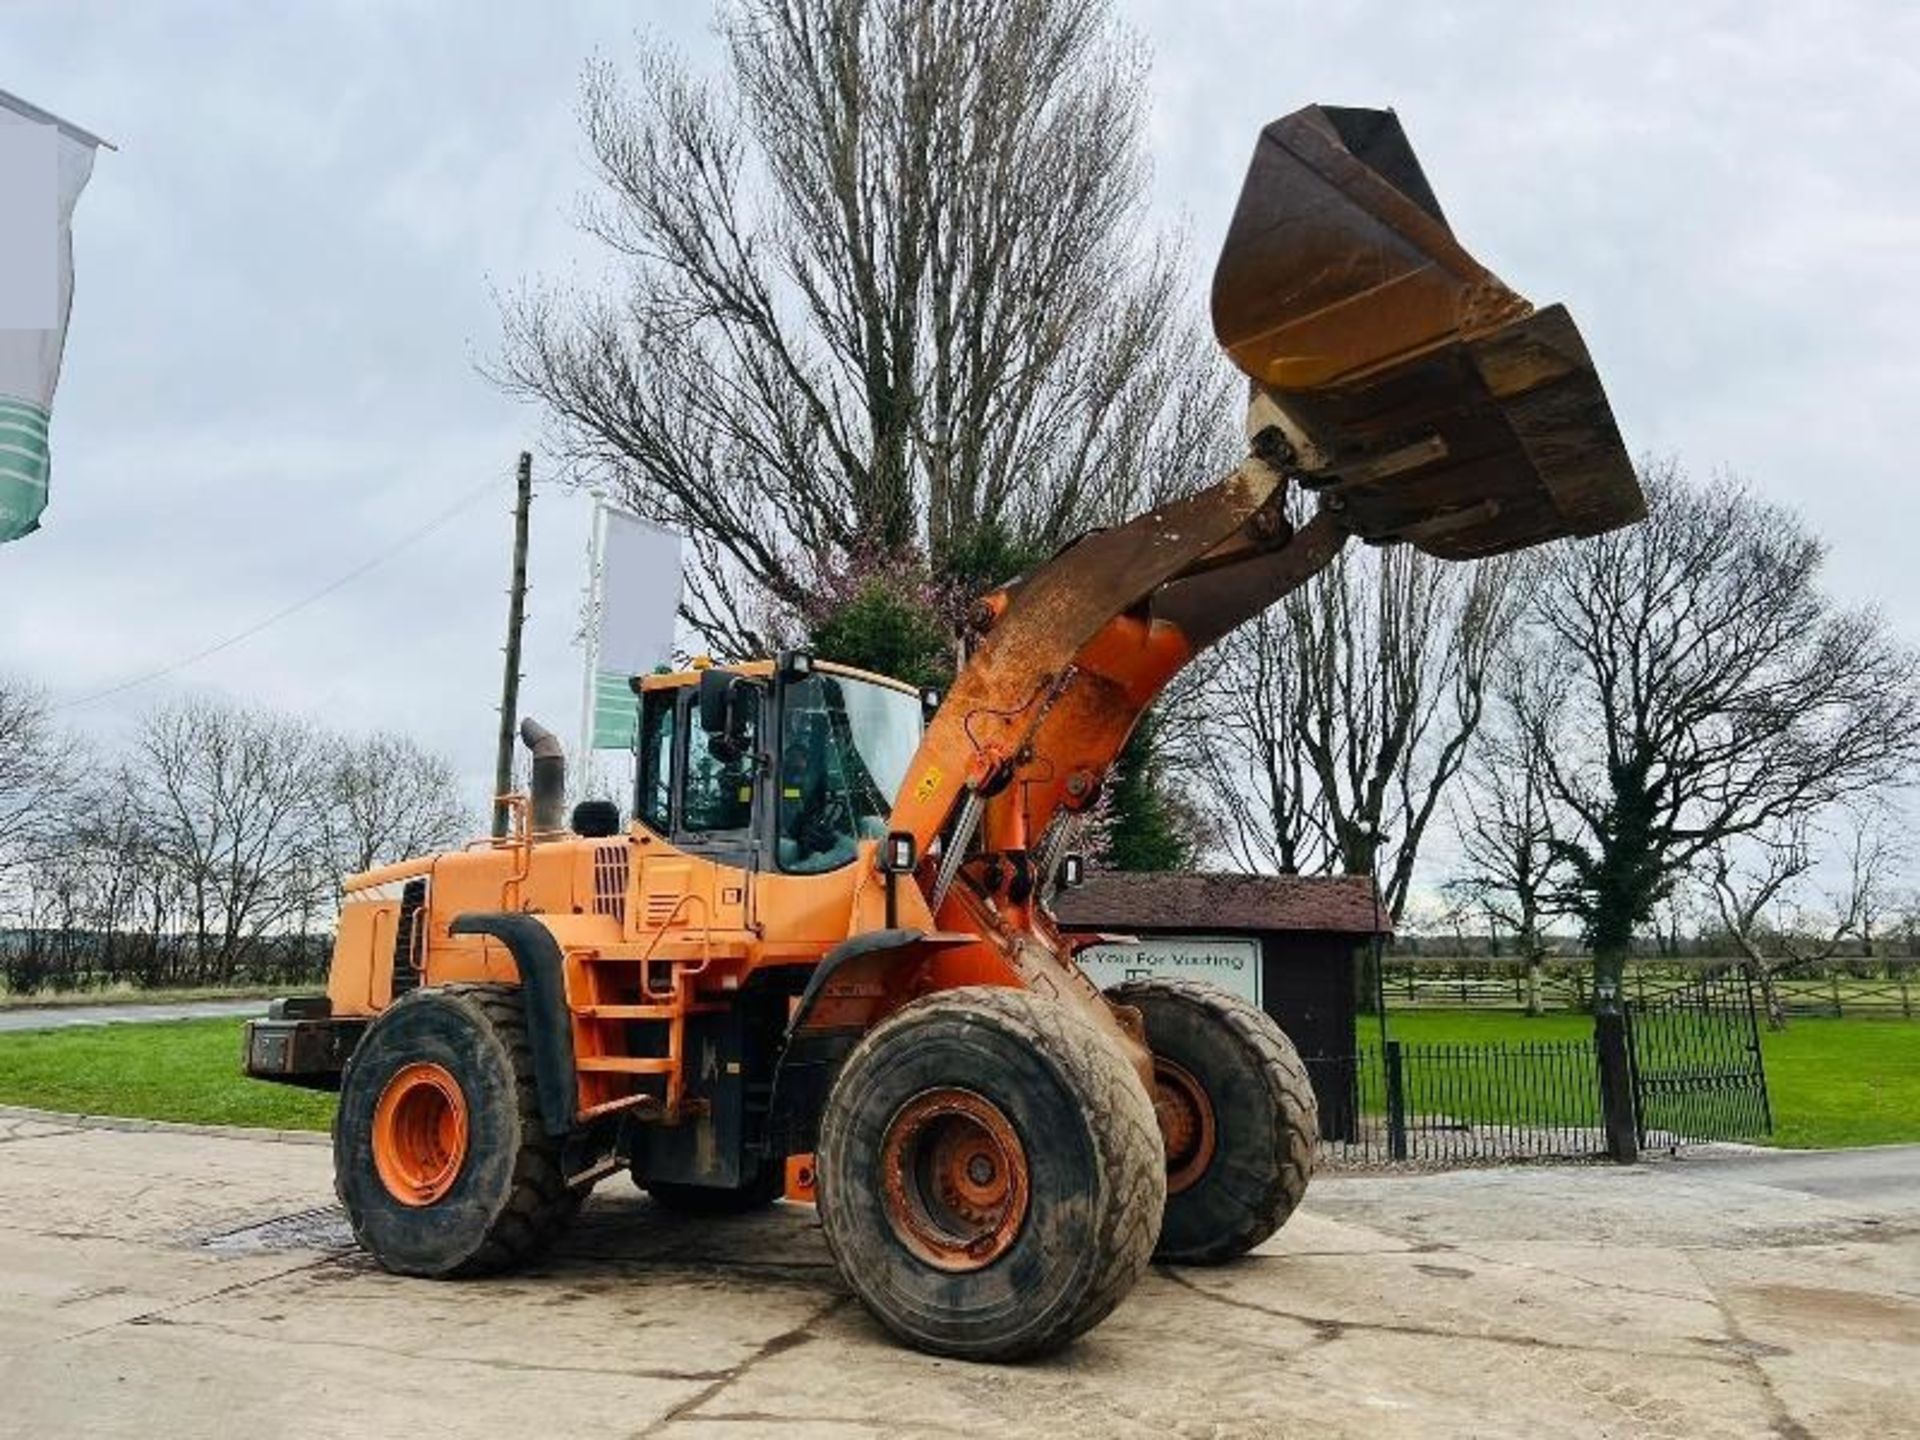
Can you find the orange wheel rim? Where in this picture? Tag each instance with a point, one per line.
(420, 1133)
(1185, 1113)
(954, 1179)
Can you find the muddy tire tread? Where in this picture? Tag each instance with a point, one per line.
(1286, 1079)
(1126, 1139)
(541, 1205)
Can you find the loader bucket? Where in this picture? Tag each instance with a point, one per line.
(1424, 399)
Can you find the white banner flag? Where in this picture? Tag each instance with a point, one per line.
(44, 165)
(635, 599)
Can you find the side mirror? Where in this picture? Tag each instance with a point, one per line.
(715, 688)
(726, 711)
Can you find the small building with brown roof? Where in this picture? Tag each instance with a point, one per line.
(1290, 943)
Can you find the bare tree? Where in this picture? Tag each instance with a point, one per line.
(1332, 728)
(1880, 859)
(1241, 753)
(37, 763)
(131, 900)
(233, 794)
(1698, 688)
(386, 799)
(214, 846)
(884, 288)
(1759, 892)
(1505, 820)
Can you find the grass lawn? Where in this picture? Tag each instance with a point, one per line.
(165, 1070)
(1831, 1082)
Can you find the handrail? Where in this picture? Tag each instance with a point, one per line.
(519, 837)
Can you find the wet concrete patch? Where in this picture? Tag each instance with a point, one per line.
(1860, 1314)
(322, 1228)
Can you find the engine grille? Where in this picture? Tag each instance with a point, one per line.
(612, 869)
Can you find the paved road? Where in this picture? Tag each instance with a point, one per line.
(160, 1283)
(1887, 1174)
(59, 1017)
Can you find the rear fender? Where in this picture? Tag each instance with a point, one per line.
(543, 987)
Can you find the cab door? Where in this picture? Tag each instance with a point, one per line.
(707, 805)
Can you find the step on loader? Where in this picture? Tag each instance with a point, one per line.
(819, 960)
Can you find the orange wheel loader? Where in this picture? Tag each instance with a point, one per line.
(819, 958)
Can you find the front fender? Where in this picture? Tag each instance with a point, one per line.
(809, 1060)
(860, 947)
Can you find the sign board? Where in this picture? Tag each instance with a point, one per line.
(633, 599)
(1230, 961)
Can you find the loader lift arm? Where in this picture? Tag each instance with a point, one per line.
(1074, 654)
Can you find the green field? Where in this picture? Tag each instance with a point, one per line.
(1833, 1082)
(185, 1070)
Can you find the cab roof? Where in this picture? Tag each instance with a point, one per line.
(761, 669)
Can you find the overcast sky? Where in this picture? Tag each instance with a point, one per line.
(285, 277)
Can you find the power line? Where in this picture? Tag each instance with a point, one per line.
(477, 493)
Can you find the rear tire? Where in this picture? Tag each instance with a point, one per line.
(990, 1176)
(439, 1154)
(766, 1187)
(1237, 1113)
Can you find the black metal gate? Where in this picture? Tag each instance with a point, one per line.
(1695, 1060)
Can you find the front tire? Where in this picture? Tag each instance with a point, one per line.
(439, 1154)
(990, 1176)
(1237, 1112)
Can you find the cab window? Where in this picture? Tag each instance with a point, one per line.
(718, 792)
(844, 748)
(653, 795)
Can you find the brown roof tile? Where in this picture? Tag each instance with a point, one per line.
(1169, 900)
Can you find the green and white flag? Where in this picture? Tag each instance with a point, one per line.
(634, 599)
(44, 165)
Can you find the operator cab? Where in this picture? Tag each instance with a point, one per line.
(782, 766)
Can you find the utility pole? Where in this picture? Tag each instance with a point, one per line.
(516, 617)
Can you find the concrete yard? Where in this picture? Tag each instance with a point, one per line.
(167, 1283)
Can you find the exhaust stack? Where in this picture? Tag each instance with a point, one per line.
(548, 785)
(1392, 372)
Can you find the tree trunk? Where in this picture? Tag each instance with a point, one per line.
(1770, 997)
(1609, 970)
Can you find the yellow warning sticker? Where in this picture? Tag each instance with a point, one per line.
(929, 783)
